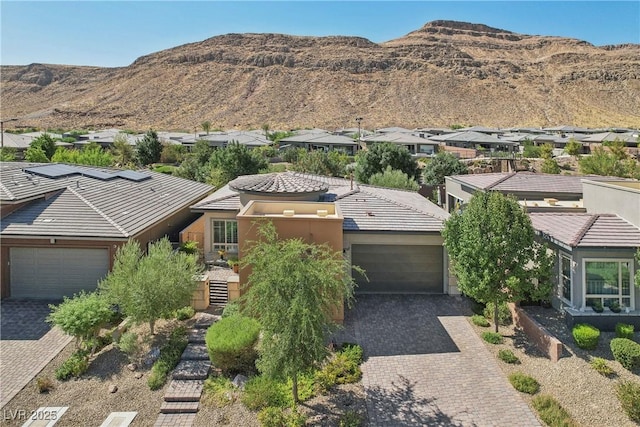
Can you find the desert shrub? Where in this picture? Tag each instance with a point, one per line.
(129, 345)
(231, 343)
(74, 366)
(586, 336)
(479, 320)
(626, 351)
(231, 309)
(629, 395)
(551, 412)
(350, 419)
(169, 357)
(524, 383)
(262, 392)
(504, 314)
(624, 330)
(185, 313)
(492, 337)
(342, 368)
(507, 356)
(278, 417)
(219, 390)
(600, 366)
(44, 384)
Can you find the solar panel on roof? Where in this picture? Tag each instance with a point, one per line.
(93, 173)
(52, 171)
(133, 176)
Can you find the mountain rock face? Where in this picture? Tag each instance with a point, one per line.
(442, 74)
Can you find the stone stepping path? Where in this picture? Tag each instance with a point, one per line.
(182, 396)
(45, 416)
(119, 419)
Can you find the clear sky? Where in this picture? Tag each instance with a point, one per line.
(115, 33)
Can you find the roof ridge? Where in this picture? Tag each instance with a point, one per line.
(584, 229)
(425, 212)
(501, 180)
(99, 212)
(6, 190)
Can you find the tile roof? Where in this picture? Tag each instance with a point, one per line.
(281, 183)
(399, 138)
(364, 207)
(472, 137)
(586, 230)
(318, 138)
(527, 182)
(85, 206)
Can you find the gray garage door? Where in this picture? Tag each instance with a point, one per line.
(52, 273)
(399, 268)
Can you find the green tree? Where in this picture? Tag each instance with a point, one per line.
(172, 153)
(233, 161)
(607, 163)
(45, 143)
(81, 316)
(92, 154)
(573, 148)
(265, 129)
(7, 154)
(318, 162)
(36, 155)
(392, 178)
(206, 126)
(493, 252)
(149, 148)
(378, 156)
(546, 151)
(550, 166)
(292, 290)
(150, 287)
(122, 151)
(530, 151)
(443, 164)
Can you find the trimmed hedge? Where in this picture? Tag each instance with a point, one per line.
(586, 336)
(231, 344)
(626, 351)
(624, 330)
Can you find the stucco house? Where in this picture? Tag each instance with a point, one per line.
(62, 224)
(395, 235)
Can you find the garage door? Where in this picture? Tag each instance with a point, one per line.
(399, 268)
(51, 273)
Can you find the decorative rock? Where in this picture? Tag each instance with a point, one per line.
(132, 367)
(138, 375)
(239, 381)
(113, 388)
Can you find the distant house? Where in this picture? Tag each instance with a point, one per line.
(222, 139)
(416, 145)
(475, 140)
(62, 224)
(321, 141)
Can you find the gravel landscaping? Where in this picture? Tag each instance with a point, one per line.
(588, 396)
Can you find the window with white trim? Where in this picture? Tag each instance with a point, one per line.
(608, 281)
(564, 276)
(224, 236)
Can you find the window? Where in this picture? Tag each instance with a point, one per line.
(608, 281)
(224, 236)
(564, 288)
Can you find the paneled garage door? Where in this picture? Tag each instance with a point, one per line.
(51, 273)
(399, 268)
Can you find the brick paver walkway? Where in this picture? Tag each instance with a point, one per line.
(27, 344)
(425, 365)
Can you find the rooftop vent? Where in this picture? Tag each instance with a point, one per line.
(288, 212)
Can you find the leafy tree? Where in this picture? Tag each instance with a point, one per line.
(92, 154)
(81, 316)
(292, 290)
(546, 151)
(233, 161)
(530, 151)
(602, 162)
(443, 164)
(36, 155)
(7, 154)
(392, 178)
(122, 151)
(149, 148)
(45, 143)
(493, 251)
(278, 135)
(617, 148)
(206, 126)
(573, 148)
(550, 166)
(150, 287)
(172, 153)
(380, 155)
(332, 163)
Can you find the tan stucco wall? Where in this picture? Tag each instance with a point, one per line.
(200, 298)
(621, 198)
(207, 217)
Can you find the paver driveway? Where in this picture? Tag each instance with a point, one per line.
(425, 365)
(27, 344)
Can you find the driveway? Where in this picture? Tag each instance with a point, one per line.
(425, 365)
(27, 344)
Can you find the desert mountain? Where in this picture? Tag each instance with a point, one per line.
(444, 73)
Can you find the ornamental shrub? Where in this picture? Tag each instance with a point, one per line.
(601, 366)
(586, 336)
(278, 417)
(263, 392)
(507, 356)
(185, 313)
(479, 320)
(504, 314)
(342, 368)
(170, 355)
(624, 330)
(231, 344)
(492, 337)
(551, 412)
(74, 366)
(626, 351)
(629, 395)
(524, 383)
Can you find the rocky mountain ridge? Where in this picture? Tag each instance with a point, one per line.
(441, 74)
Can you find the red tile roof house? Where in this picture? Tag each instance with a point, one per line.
(62, 224)
(394, 235)
(593, 226)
